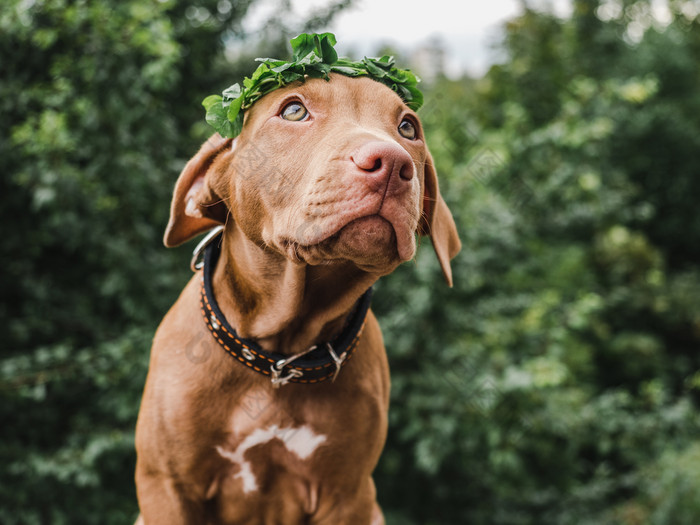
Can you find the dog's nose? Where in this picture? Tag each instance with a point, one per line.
(383, 163)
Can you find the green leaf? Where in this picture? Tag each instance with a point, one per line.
(373, 69)
(233, 91)
(328, 53)
(402, 91)
(271, 62)
(291, 76)
(217, 118)
(302, 46)
(397, 75)
(210, 101)
(234, 108)
(285, 66)
(260, 72)
(348, 71)
(235, 127)
(416, 100)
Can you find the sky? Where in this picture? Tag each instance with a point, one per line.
(467, 29)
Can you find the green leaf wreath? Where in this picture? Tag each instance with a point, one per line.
(313, 57)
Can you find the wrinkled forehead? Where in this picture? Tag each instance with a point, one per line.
(342, 94)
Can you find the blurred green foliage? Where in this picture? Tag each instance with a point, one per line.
(556, 383)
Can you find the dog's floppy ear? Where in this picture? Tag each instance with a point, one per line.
(437, 222)
(196, 207)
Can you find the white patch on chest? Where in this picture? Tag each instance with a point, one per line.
(300, 441)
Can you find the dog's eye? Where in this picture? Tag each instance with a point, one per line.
(294, 111)
(407, 129)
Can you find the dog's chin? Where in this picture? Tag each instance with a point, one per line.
(369, 242)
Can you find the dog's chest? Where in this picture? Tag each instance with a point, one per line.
(270, 447)
(268, 455)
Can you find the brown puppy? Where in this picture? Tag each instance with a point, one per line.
(322, 193)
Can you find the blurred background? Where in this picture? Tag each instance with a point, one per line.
(557, 383)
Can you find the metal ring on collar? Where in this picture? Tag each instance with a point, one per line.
(279, 380)
(195, 263)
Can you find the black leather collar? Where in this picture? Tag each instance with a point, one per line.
(317, 364)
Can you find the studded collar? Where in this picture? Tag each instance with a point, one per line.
(314, 365)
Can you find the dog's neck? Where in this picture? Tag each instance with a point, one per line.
(286, 307)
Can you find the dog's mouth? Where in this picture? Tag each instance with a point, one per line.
(371, 242)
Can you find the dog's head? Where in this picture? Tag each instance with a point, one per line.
(322, 171)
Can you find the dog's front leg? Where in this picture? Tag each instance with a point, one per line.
(163, 503)
(362, 509)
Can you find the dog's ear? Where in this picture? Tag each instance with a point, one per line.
(196, 206)
(437, 221)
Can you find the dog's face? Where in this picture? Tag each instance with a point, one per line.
(322, 171)
(338, 173)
